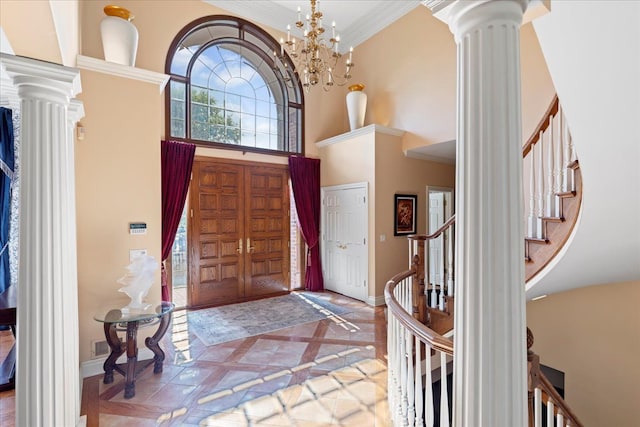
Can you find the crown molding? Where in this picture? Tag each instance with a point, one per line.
(119, 70)
(376, 20)
(371, 129)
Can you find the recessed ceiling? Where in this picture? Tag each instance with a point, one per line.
(356, 20)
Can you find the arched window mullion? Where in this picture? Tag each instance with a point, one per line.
(254, 53)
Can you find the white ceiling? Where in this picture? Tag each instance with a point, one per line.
(356, 20)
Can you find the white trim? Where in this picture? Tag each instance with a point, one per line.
(119, 70)
(358, 132)
(415, 155)
(376, 301)
(362, 184)
(90, 368)
(385, 14)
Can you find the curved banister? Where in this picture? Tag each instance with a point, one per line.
(542, 126)
(436, 233)
(426, 335)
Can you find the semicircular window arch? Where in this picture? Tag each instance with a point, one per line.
(228, 89)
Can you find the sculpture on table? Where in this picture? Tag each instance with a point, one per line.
(137, 281)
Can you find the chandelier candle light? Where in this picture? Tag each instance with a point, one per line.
(315, 58)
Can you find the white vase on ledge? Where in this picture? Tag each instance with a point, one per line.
(119, 36)
(356, 106)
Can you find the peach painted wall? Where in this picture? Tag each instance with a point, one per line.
(592, 334)
(377, 158)
(409, 70)
(348, 162)
(396, 173)
(117, 182)
(159, 22)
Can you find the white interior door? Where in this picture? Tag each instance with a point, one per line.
(436, 246)
(344, 240)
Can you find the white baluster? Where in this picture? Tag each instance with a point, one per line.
(550, 409)
(403, 362)
(540, 187)
(391, 355)
(428, 384)
(431, 298)
(537, 407)
(531, 225)
(411, 415)
(444, 395)
(560, 420)
(550, 210)
(450, 268)
(419, 397)
(572, 157)
(567, 177)
(557, 171)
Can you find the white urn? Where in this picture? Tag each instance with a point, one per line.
(119, 36)
(356, 106)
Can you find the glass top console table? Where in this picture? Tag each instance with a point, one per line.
(118, 319)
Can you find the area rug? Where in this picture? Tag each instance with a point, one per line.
(231, 322)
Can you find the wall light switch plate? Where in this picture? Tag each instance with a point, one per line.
(135, 253)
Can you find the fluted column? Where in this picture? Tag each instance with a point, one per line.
(490, 388)
(47, 370)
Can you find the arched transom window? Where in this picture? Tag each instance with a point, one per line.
(228, 89)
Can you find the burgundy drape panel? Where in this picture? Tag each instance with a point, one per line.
(177, 161)
(305, 180)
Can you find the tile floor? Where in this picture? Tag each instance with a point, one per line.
(323, 373)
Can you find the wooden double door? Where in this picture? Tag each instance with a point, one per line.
(239, 240)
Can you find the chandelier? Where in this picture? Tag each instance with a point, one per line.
(315, 58)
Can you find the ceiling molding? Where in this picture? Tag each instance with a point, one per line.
(376, 20)
(276, 16)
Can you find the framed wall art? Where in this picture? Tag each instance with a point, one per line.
(404, 216)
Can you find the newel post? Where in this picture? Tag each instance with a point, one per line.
(417, 261)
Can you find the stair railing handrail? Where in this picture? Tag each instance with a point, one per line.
(436, 233)
(415, 353)
(541, 391)
(426, 335)
(552, 110)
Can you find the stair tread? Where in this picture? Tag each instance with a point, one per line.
(566, 194)
(553, 218)
(536, 240)
(574, 165)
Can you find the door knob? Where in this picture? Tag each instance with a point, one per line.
(239, 249)
(249, 247)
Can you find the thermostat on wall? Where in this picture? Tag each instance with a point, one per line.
(137, 228)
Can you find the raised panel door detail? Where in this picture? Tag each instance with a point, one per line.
(269, 261)
(216, 273)
(240, 231)
(344, 240)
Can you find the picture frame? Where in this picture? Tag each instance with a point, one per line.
(405, 214)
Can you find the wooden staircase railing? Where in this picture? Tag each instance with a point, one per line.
(421, 307)
(418, 356)
(552, 187)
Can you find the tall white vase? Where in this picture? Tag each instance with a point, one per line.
(119, 36)
(356, 106)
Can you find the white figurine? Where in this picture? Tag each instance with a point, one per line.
(137, 281)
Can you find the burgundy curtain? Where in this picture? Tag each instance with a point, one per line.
(177, 160)
(305, 180)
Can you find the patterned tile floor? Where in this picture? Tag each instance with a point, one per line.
(323, 373)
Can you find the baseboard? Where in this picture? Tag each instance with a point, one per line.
(376, 301)
(95, 366)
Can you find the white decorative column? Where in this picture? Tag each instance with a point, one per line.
(47, 370)
(490, 368)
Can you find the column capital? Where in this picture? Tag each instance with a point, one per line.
(464, 15)
(39, 79)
